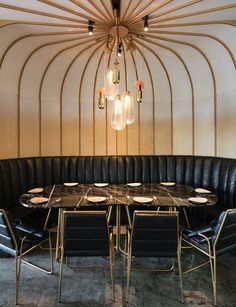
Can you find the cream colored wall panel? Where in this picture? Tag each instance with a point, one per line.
(86, 107)
(8, 126)
(146, 108)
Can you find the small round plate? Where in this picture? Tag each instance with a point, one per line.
(168, 184)
(96, 199)
(142, 200)
(202, 191)
(70, 184)
(36, 190)
(134, 184)
(198, 200)
(39, 200)
(101, 185)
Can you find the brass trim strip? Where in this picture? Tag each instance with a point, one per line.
(94, 99)
(40, 13)
(126, 88)
(107, 10)
(169, 82)
(80, 88)
(101, 12)
(125, 12)
(204, 35)
(212, 73)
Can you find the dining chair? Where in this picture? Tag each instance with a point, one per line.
(17, 241)
(213, 241)
(154, 234)
(86, 234)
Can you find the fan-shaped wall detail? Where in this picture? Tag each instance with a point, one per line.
(50, 69)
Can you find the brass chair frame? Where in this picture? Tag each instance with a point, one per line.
(19, 254)
(130, 235)
(211, 254)
(111, 247)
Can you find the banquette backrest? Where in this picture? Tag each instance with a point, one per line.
(217, 174)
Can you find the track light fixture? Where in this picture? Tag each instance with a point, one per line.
(145, 23)
(90, 27)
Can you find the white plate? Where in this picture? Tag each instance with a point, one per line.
(36, 190)
(168, 184)
(198, 200)
(200, 190)
(96, 199)
(101, 185)
(70, 184)
(142, 200)
(39, 200)
(134, 184)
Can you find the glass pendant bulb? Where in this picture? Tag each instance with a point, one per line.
(111, 89)
(118, 114)
(128, 101)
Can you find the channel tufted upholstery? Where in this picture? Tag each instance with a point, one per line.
(217, 174)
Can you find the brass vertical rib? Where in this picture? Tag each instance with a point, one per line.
(170, 86)
(199, 50)
(126, 11)
(42, 80)
(221, 42)
(126, 88)
(40, 13)
(107, 18)
(106, 9)
(153, 97)
(94, 98)
(80, 87)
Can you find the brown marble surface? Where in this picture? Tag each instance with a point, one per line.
(61, 196)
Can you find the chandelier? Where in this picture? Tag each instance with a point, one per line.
(123, 108)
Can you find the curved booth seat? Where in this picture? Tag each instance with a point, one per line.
(216, 174)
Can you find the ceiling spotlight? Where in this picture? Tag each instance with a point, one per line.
(90, 27)
(119, 49)
(145, 23)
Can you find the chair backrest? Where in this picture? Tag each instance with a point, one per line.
(155, 234)
(224, 237)
(85, 233)
(8, 241)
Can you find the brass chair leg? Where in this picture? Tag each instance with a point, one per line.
(18, 268)
(60, 279)
(180, 272)
(128, 276)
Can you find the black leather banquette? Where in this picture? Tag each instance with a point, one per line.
(217, 174)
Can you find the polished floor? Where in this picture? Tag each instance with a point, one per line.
(91, 287)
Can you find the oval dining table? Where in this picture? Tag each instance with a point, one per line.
(73, 195)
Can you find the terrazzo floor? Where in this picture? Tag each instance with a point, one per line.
(91, 287)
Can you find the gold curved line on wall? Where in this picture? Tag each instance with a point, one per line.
(40, 13)
(65, 9)
(64, 79)
(174, 9)
(42, 80)
(195, 23)
(107, 10)
(212, 74)
(126, 88)
(157, 7)
(214, 9)
(44, 24)
(96, 17)
(94, 98)
(101, 12)
(80, 88)
(33, 35)
(192, 93)
(221, 42)
(153, 99)
(170, 86)
(122, 17)
(20, 81)
(136, 73)
(130, 14)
